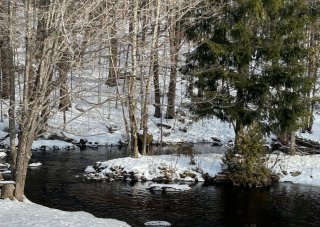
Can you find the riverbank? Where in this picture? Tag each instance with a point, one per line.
(17, 214)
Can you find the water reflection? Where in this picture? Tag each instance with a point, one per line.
(57, 184)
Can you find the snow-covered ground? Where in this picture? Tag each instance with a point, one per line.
(101, 119)
(296, 169)
(17, 214)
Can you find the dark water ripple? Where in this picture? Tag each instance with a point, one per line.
(58, 184)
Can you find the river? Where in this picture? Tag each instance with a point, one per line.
(58, 184)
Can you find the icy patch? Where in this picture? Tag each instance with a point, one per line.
(169, 187)
(157, 223)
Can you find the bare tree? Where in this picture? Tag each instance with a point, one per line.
(132, 81)
(153, 72)
(155, 65)
(113, 55)
(64, 30)
(177, 17)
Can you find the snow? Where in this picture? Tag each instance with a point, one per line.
(17, 214)
(35, 164)
(306, 168)
(3, 155)
(157, 223)
(7, 182)
(315, 135)
(169, 187)
(152, 167)
(37, 144)
(89, 169)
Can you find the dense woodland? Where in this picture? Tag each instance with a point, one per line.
(253, 63)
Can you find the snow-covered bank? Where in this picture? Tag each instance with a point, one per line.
(17, 214)
(296, 169)
(56, 144)
(157, 168)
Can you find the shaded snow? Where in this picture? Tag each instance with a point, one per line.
(17, 214)
(315, 135)
(37, 144)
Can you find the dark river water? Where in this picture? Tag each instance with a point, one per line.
(58, 184)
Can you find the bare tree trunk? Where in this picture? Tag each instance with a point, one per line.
(5, 67)
(174, 36)
(24, 155)
(292, 142)
(113, 58)
(24, 146)
(12, 124)
(132, 82)
(238, 129)
(11, 112)
(156, 81)
(145, 142)
(65, 100)
(144, 85)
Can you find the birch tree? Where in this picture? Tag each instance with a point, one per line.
(132, 81)
(154, 72)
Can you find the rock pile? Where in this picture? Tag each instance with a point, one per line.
(117, 173)
(162, 174)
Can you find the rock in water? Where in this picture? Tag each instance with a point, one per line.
(157, 223)
(35, 164)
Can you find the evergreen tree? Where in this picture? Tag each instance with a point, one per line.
(251, 65)
(285, 54)
(230, 84)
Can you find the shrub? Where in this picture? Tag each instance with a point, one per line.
(246, 165)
